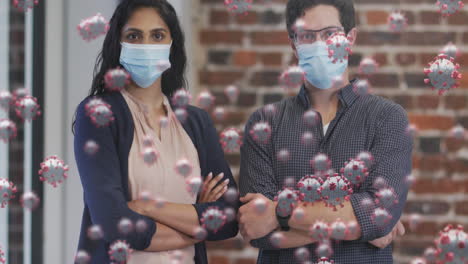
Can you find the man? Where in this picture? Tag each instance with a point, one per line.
(348, 124)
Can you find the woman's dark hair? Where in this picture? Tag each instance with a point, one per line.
(109, 57)
(297, 8)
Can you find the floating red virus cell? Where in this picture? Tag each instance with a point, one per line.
(442, 74)
(386, 197)
(230, 214)
(458, 132)
(413, 221)
(381, 217)
(231, 195)
(307, 138)
(116, 79)
(213, 219)
(311, 118)
(181, 98)
(193, 185)
(260, 206)
(163, 122)
(283, 155)
(82, 257)
(269, 110)
(183, 168)
(230, 140)
(2, 256)
(25, 5)
(319, 231)
(362, 87)
(95, 232)
(430, 254)
(20, 93)
(366, 157)
(325, 261)
(141, 226)
(7, 192)
(119, 252)
(219, 114)
(412, 130)
(200, 233)
(339, 47)
(93, 27)
(29, 200)
(206, 100)
(8, 130)
(298, 214)
(53, 171)
(100, 114)
(240, 7)
(6, 100)
(338, 230)
(181, 114)
(355, 171)
(309, 187)
(451, 51)
(125, 226)
(232, 93)
(93, 102)
(150, 156)
(261, 132)
(324, 249)
(452, 245)
(397, 21)
(336, 190)
(368, 66)
(367, 204)
(302, 254)
(418, 261)
(299, 25)
(292, 78)
(321, 164)
(449, 7)
(287, 200)
(27, 108)
(277, 239)
(91, 147)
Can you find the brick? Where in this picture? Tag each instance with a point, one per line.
(355, 59)
(272, 98)
(429, 162)
(427, 207)
(428, 122)
(405, 59)
(244, 58)
(459, 18)
(453, 145)
(415, 80)
(381, 59)
(265, 78)
(455, 102)
(429, 145)
(461, 208)
(219, 57)
(427, 101)
(443, 186)
(246, 261)
(465, 37)
(233, 118)
(271, 58)
(435, 38)
(424, 228)
(406, 101)
(219, 17)
(219, 77)
(377, 17)
(457, 166)
(270, 38)
(429, 18)
(210, 37)
(247, 99)
(414, 247)
(248, 19)
(271, 17)
(385, 80)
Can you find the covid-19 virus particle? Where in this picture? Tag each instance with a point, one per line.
(116, 79)
(381, 217)
(8, 130)
(213, 219)
(183, 168)
(386, 197)
(53, 171)
(25, 5)
(397, 21)
(277, 239)
(449, 7)
(319, 231)
(91, 147)
(95, 232)
(150, 155)
(336, 190)
(292, 78)
(93, 27)
(206, 100)
(261, 132)
(430, 254)
(219, 114)
(366, 157)
(302, 254)
(338, 230)
(309, 187)
(451, 51)
(311, 118)
(362, 87)
(29, 200)
(442, 74)
(125, 226)
(321, 164)
(452, 245)
(355, 171)
(82, 257)
(287, 200)
(6, 100)
(307, 138)
(368, 66)
(181, 98)
(240, 7)
(27, 108)
(193, 185)
(458, 132)
(418, 261)
(325, 261)
(101, 114)
(2, 256)
(232, 93)
(7, 192)
(230, 140)
(181, 114)
(339, 47)
(283, 155)
(141, 226)
(324, 249)
(119, 252)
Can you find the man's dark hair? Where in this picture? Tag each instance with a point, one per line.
(297, 8)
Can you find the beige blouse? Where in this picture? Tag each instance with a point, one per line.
(160, 179)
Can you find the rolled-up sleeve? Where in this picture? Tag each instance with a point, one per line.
(392, 151)
(102, 183)
(256, 172)
(216, 164)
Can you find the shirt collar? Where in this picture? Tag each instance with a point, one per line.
(346, 95)
(144, 107)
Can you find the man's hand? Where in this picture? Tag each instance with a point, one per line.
(255, 222)
(383, 242)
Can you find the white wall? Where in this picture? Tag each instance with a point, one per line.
(69, 67)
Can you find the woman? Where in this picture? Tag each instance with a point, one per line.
(143, 34)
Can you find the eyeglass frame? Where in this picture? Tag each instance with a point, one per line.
(293, 36)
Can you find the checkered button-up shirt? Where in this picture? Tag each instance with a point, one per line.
(362, 123)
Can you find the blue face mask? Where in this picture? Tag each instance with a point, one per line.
(145, 63)
(319, 69)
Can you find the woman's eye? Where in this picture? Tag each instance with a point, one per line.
(132, 37)
(158, 36)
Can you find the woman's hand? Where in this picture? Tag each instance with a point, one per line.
(143, 207)
(211, 194)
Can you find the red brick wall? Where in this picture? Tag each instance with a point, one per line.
(251, 51)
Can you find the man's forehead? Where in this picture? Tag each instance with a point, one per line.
(320, 17)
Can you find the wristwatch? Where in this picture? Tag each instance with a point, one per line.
(283, 220)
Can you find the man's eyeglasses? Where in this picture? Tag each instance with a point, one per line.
(311, 36)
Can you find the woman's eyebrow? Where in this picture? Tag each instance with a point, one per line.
(141, 31)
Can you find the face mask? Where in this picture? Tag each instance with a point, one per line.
(319, 68)
(145, 63)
